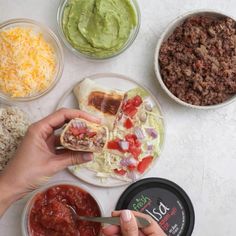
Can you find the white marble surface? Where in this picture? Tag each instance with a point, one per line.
(200, 150)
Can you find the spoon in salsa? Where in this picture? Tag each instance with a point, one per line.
(142, 223)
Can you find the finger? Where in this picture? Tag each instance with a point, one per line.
(70, 158)
(60, 150)
(142, 234)
(116, 213)
(153, 229)
(57, 119)
(111, 230)
(129, 225)
(53, 141)
(57, 141)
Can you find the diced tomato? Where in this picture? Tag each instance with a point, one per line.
(126, 105)
(144, 164)
(91, 134)
(129, 108)
(137, 143)
(114, 145)
(83, 130)
(81, 136)
(131, 138)
(134, 145)
(137, 101)
(131, 167)
(76, 131)
(120, 172)
(128, 124)
(135, 151)
(132, 112)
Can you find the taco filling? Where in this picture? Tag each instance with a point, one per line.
(81, 135)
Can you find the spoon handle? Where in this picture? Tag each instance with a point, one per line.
(142, 223)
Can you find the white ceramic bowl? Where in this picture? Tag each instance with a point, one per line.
(30, 202)
(165, 35)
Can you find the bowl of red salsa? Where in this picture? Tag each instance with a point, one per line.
(48, 212)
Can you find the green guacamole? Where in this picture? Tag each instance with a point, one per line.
(98, 28)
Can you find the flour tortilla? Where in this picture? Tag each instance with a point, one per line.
(84, 89)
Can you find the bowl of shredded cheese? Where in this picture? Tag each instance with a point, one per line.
(31, 60)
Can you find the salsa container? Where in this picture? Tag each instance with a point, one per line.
(164, 201)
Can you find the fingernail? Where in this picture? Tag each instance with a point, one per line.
(87, 157)
(126, 215)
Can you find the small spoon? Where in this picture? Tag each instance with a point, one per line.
(142, 223)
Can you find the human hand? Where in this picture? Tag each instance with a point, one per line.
(129, 225)
(36, 159)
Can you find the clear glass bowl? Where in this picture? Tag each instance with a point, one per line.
(129, 42)
(52, 39)
(30, 202)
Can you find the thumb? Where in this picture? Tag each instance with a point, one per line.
(70, 158)
(129, 225)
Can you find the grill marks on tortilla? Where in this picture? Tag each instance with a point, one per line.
(106, 103)
(99, 101)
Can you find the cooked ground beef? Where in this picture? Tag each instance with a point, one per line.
(198, 61)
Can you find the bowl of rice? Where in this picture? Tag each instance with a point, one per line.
(31, 60)
(14, 123)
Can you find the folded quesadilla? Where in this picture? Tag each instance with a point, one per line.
(99, 101)
(82, 135)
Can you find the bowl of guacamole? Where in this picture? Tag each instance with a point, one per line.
(98, 29)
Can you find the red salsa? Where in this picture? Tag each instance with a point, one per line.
(51, 216)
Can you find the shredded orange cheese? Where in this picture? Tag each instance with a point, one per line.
(27, 62)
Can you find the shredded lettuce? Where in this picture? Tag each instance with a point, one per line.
(104, 163)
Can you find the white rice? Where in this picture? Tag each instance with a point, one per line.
(13, 125)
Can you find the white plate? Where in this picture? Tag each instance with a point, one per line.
(113, 81)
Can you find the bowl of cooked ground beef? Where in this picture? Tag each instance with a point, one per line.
(195, 59)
